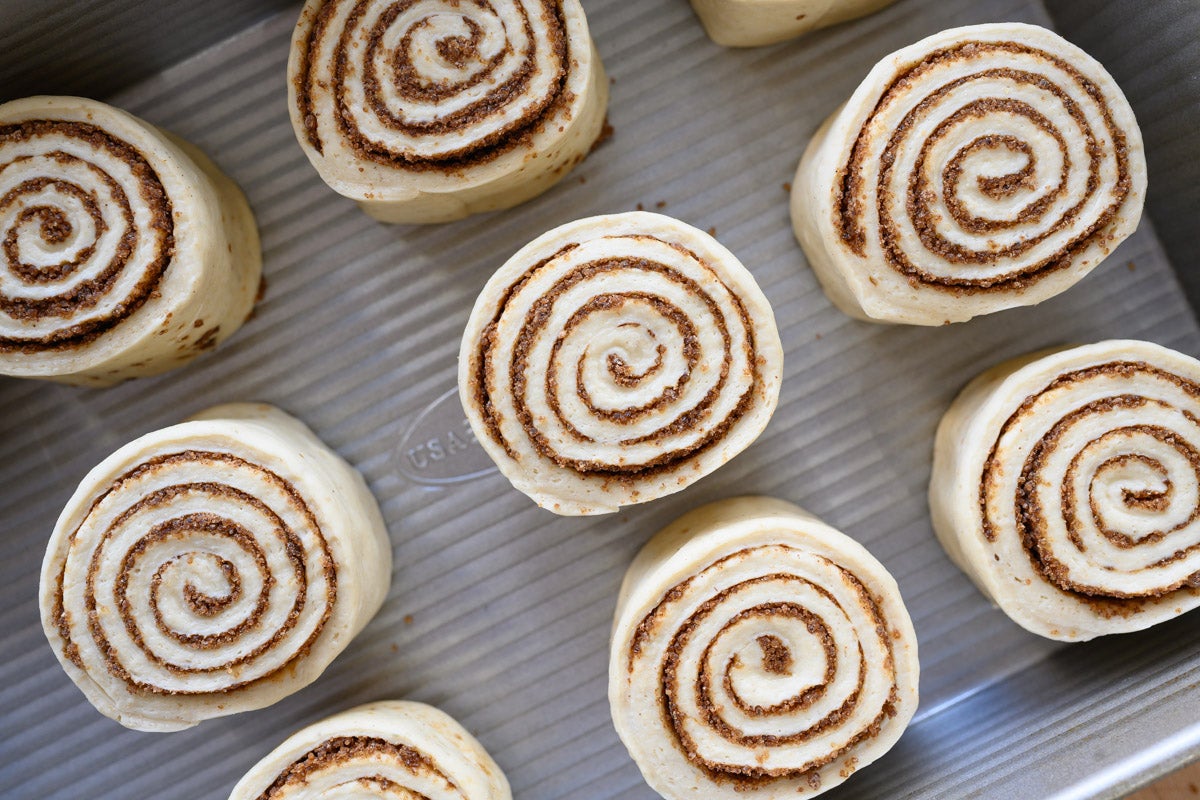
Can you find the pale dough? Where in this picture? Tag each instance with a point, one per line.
(211, 567)
(979, 169)
(132, 253)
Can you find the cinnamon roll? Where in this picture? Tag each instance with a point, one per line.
(758, 653)
(211, 567)
(432, 110)
(1067, 487)
(982, 168)
(125, 251)
(617, 359)
(388, 749)
(751, 23)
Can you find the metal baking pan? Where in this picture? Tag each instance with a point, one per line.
(499, 612)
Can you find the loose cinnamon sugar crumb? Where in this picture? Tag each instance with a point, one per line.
(606, 133)
(209, 339)
(777, 658)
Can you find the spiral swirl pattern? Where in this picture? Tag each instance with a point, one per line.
(625, 355)
(758, 651)
(393, 750)
(195, 575)
(396, 97)
(123, 251)
(86, 232)
(1089, 489)
(498, 68)
(982, 168)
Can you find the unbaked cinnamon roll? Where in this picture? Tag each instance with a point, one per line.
(758, 653)
(982, 168)
(432, 110)
(750, 23)
(390, 749)
(124, 250)
(1067, 487)
(617, 359)
(211, 567)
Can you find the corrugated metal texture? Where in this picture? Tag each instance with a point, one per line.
(499, 612)
(1153, 50)
(95, 47)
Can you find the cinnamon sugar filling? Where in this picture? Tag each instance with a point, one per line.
(489, 376)
(344, 750)
(777, 659)
(180, 528)
(850, 197)
(408, 84)
(55, 228)
(1031, 516)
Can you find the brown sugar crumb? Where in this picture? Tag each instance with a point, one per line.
(712, 231)
(408, 619)
(395, 647)
(606, 133)
(777, 659)
(209, 339)
(661, 204)
(787, 187)
(1131, 266)
(582, 179)
(458, 50)
(641, 207)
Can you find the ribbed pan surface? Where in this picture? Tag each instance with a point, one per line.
(499, 612)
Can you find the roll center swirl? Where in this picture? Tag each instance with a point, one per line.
(757, 674)
(427, 84)
(1108, 496)
(634, 379)
(212, 586)
(86, 229)
(1001, 160)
